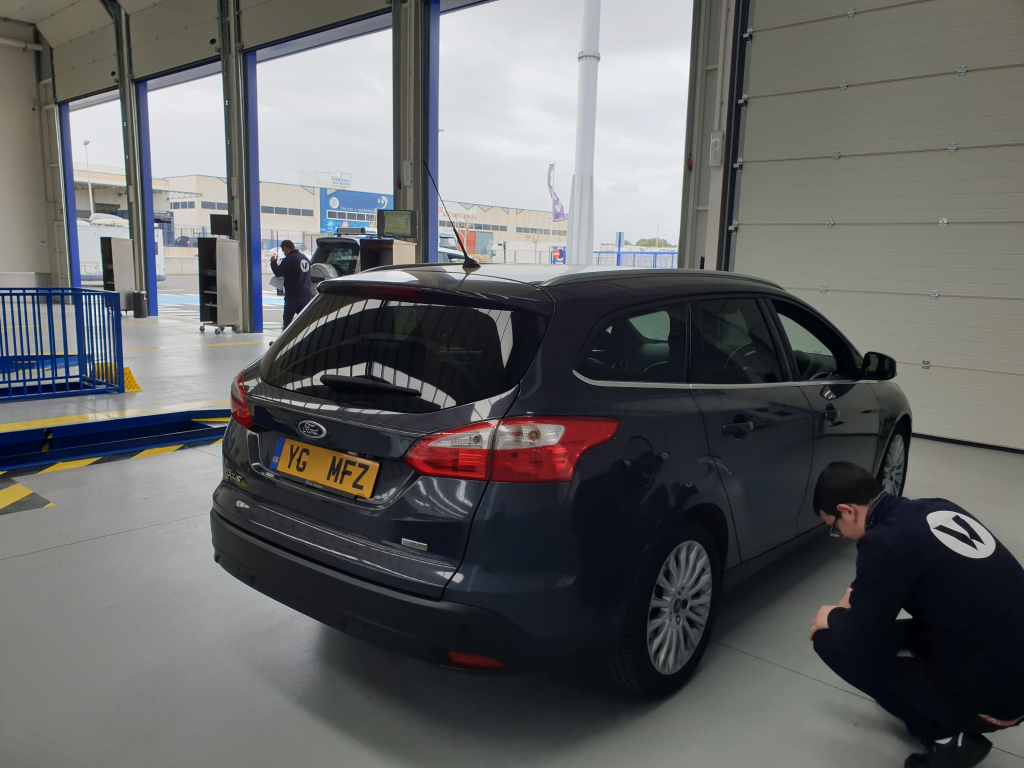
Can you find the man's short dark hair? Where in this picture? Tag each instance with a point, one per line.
(843, 483)
(287, 244)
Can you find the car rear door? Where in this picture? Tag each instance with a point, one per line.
(846, 409)
(462, 353)
(759, 426)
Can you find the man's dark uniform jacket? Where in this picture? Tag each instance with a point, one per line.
(963, 589)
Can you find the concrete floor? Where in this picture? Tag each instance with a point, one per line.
(123, 644)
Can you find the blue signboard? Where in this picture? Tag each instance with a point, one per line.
(342, 209)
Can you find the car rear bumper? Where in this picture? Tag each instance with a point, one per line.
(415, 626)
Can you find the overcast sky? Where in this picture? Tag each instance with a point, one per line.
(507, 107)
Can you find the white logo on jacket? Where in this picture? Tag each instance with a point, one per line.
(962, 534)
(304, 265)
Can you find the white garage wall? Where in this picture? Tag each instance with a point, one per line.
(24, 258)
(894, 179)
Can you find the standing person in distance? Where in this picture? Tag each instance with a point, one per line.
(955, 669)
(294, 270)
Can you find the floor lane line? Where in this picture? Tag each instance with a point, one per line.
(105, 415)
(156, 451)
(13, 493)
(75, 464)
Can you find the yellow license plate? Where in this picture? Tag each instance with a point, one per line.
(330, 469)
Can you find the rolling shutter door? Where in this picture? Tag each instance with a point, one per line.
(881, 178)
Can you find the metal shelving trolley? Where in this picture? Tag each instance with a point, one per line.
(220, 284)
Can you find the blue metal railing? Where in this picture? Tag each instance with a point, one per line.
(56, 342)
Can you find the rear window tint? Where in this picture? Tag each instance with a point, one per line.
(451, 355)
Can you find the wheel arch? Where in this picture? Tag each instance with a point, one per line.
(713, 518)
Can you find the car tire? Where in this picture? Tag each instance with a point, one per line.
(661, 641)
(892, 473)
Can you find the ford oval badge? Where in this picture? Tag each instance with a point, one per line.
(311, 430)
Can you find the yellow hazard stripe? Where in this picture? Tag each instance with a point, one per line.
(107, 415)
(69, 465)
(156, 451)
(12, 494)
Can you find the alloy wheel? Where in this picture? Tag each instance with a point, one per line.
(895, 465)
(679, 607)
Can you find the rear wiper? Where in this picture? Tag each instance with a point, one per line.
(365, 385)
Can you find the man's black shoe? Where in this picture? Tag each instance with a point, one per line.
(964, 750)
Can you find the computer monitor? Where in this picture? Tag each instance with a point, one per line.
(220, 224)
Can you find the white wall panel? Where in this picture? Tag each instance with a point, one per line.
(84, 65)
(25, 255)
(264, 21)
(173, 34)
(893, 181)
(72, 21)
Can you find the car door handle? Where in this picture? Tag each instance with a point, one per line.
(738, 428)
(831, 414)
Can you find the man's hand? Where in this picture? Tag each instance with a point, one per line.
(821, 619)
(273, 259)
(845, 602)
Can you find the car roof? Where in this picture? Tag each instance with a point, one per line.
(559, 274)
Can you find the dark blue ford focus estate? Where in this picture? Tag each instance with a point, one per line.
(499, 469)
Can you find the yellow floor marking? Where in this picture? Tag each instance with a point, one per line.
(156, 451)
(12, 494)
(218, 442)
(51, 504)
(70, 465)
(57, 421)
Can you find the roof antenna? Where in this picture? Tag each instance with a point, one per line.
(470, 264)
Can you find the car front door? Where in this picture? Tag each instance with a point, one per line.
(758, 425)
(846, 411)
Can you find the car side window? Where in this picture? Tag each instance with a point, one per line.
(646, 346)
(732, 344)
(816, 351)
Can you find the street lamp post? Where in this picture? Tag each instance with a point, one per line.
(580, 235)
(88, 176)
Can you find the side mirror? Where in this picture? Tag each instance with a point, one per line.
(878, 366)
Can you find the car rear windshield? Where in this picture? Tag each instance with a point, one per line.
(342, 257)
(448, 354)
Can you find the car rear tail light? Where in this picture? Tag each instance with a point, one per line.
(463, 452)
(240, 411)
(472, 661)
(532, 449)
(544, 450)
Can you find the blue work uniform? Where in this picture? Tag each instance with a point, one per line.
(298, 290)
(958, 664)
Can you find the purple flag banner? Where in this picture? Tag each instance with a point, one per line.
(557, 211)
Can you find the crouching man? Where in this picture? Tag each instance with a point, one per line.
(953, 671)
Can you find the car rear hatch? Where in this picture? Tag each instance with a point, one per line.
(375, 362)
